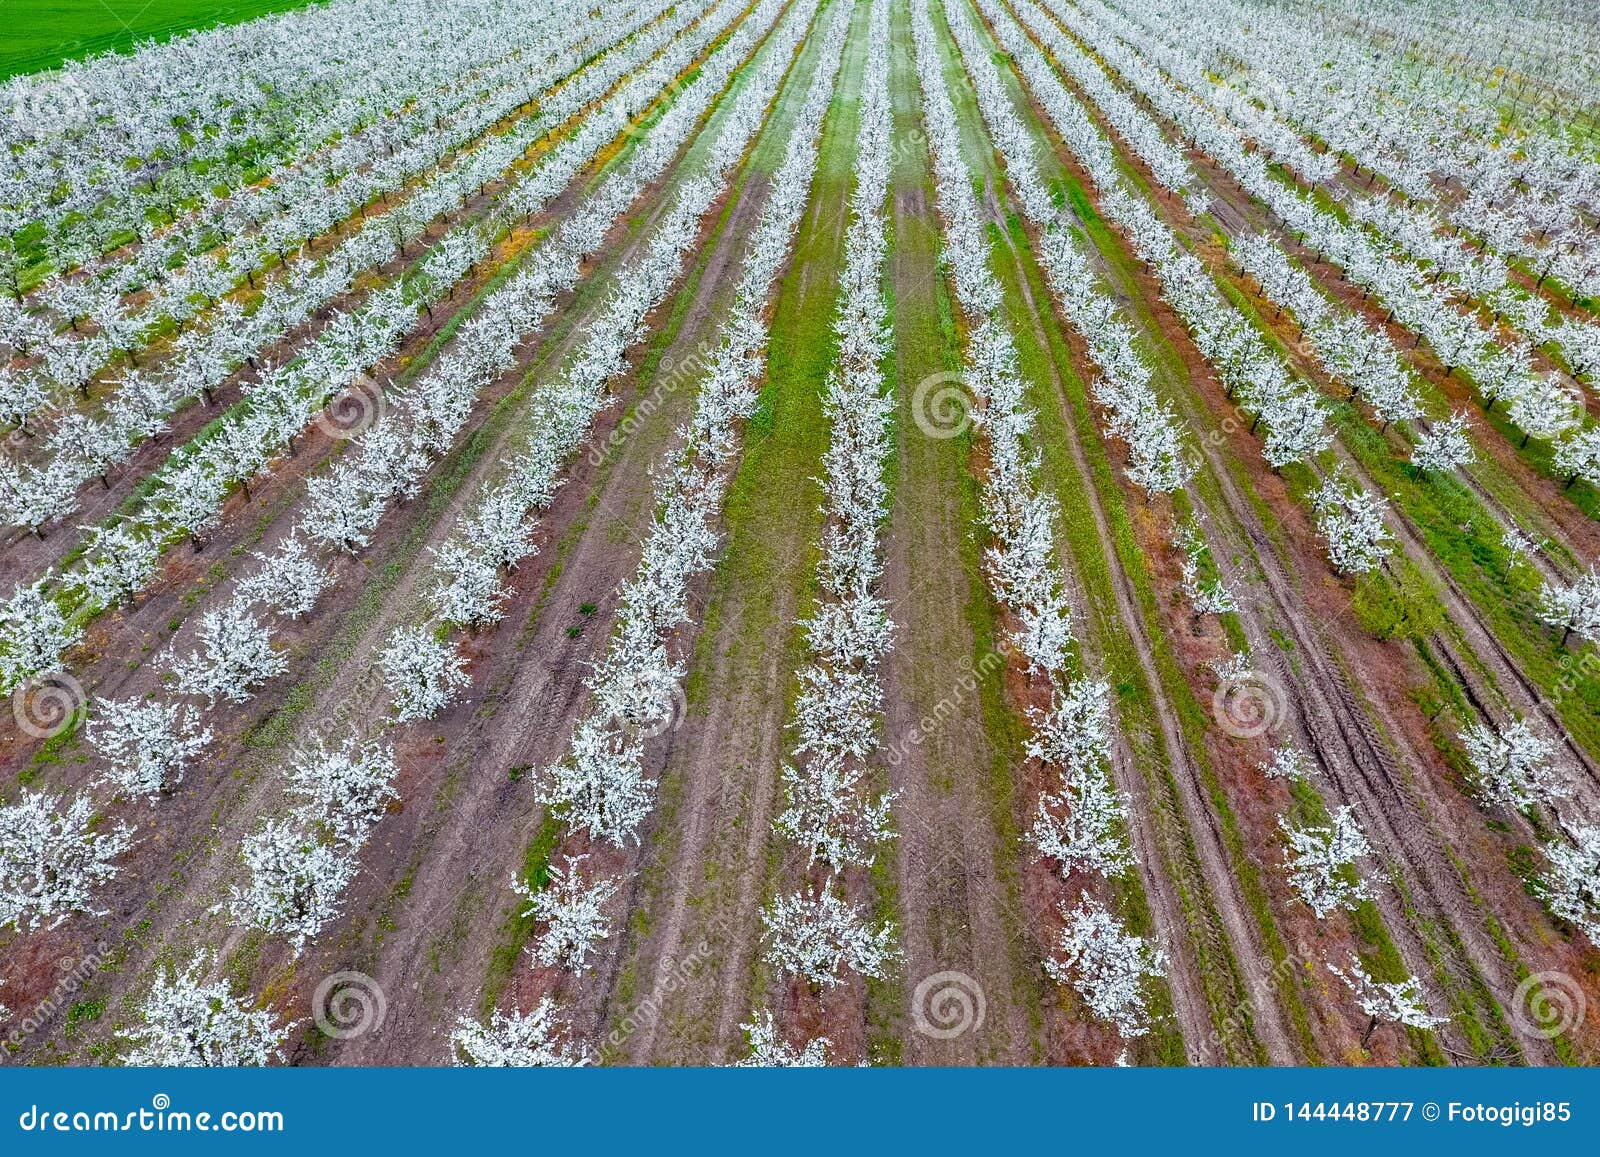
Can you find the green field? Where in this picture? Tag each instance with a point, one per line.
(42, 33)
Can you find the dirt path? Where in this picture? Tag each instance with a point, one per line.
(956, 756)
(1576, 534)
(1221, 882)
(959, 885)
(1363, 767)
(456, 906)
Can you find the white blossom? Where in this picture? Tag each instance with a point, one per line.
(572, 912)
(36, 634)
(1387, 1002)
(1108, 965)
(816, 938)
(147, 744)
(1213, 598)
(469, 593)
(186, 1022)
(1572, 887)
(1288, 763)
(117, 561)
(294, 885)
(832, 813)
(770, 1051)
(236, 656)
(1445, 446)
(1350, 520)
(1321, 862)
(1575, 608)
(600, 788)
(288, 581)
(1513, 768)
(346, 789)
(423, 673)
(1083, 827)
(52, 857)
(515, 1040)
